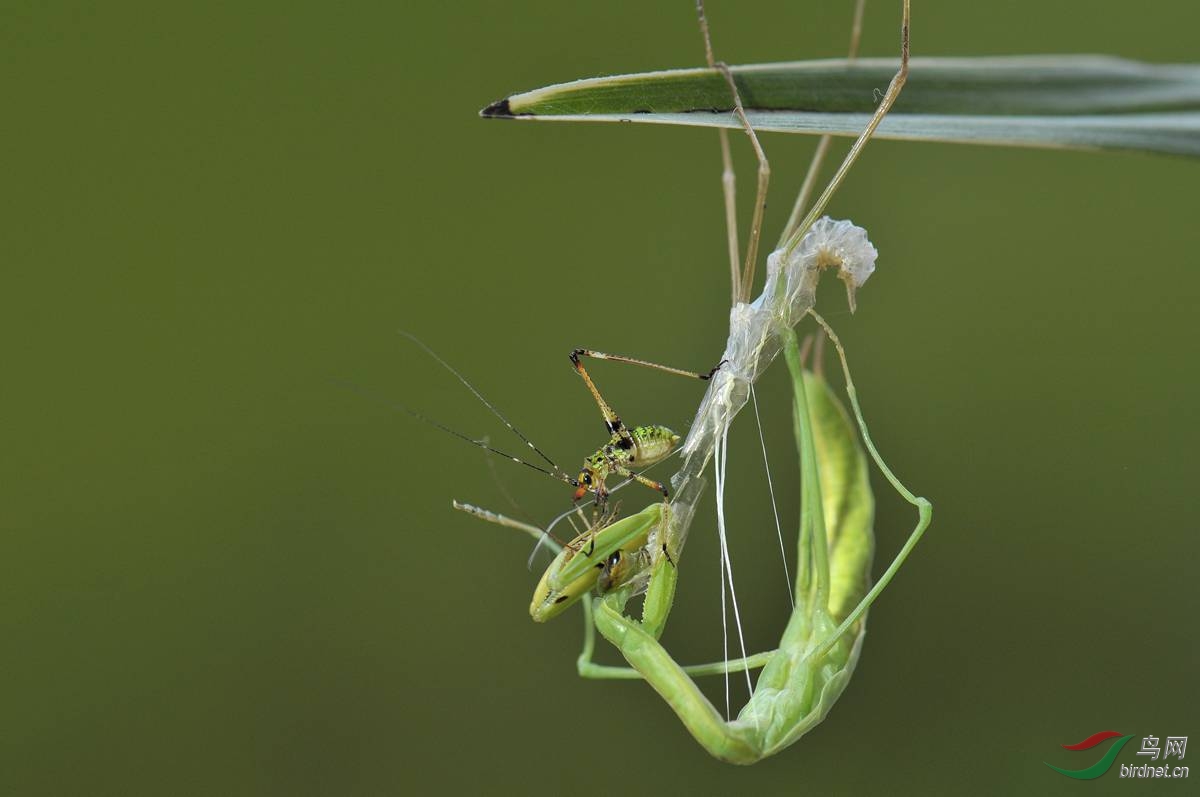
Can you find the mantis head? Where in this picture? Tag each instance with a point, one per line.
(604, 555)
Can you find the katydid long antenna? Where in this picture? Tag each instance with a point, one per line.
(560, 476)
(557, 472)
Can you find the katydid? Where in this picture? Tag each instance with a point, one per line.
(641, 446)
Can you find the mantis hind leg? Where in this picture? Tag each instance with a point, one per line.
(590, 669)
(924, 507)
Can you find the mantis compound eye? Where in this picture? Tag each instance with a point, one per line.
(610, 573)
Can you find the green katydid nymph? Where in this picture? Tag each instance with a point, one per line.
(627, 448)
(640, 447)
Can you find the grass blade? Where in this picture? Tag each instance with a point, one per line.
(1042, 101)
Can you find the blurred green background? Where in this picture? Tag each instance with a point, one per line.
(225, 573)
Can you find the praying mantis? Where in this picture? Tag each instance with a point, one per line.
(612, 561)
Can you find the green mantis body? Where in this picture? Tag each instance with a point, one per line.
(819, 648)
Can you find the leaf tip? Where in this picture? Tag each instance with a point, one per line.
(497, 110)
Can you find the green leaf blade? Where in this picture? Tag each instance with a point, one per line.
(1086, 102)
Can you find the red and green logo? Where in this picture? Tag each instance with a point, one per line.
(1100, 767)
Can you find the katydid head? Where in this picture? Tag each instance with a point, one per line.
(583, 485)
(591, 479)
